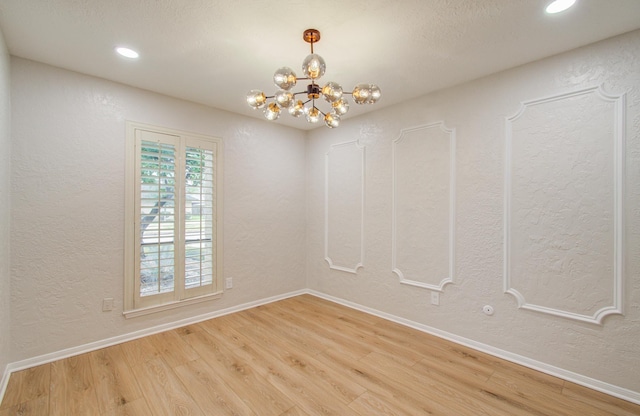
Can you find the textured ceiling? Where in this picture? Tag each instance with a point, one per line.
(214, 51)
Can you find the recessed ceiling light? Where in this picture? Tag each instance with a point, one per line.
(127, 53)
(559, 6)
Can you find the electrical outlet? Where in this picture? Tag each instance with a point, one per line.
(107, 304)
(228, 283)
(435, 298)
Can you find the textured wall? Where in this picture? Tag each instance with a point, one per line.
(579, 232)
(67, 201)
(68, 205)
(5, 177)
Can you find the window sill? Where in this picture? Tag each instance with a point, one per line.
(134, 313)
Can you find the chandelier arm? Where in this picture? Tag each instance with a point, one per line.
(314, 106)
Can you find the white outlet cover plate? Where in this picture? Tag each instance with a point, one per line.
(435, 298)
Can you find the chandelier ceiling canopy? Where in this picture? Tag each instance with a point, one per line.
(304, 102)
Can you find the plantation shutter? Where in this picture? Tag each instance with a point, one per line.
(157, 224)
(200, 213)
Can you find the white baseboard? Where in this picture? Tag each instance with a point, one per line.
(610, 389)
(619, 392)
(4, 382)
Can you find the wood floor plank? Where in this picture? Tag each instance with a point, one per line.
(523, 389)
(139, 351)
(302, 356)
(71, 391)
(519, 372)
(225, 333)
(186, 330)
(135, 408)
(367, 333)
(27, 385)
(598, 400)
(371, 404)
(366, 340)
(367, 376)
(458, 400)
(35, 407)
(213, 395)
(324, 327)
(240, 376)
(235, 320)
(411, 380)
(280, 349)
(114, 381)
(164, 392)
(448, 375)
(300, 337)
(173, 348)
(294, 411)
(335, 381)
(313, 398)
(457, 367)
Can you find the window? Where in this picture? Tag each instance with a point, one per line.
(173, 247)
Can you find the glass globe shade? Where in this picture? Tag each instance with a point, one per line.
(313, 66)
(256, 99)
(361, 93)
(313, 114)
(332, 120)
(284, 78)
(283, 98)
(332, 91)
(340, 107)
(296, 109)
(272, 112)
(374, 94)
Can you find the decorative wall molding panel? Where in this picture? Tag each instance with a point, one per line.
(563, 205)
(344, 206)
(423, 223)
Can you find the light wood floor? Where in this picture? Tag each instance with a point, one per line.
(300, 356)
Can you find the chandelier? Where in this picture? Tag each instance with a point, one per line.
(313, 68)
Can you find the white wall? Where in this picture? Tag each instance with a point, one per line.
(67, 209)
(5, 186)
(566, 170)
(68, 205)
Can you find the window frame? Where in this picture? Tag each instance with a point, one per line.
(135, 305)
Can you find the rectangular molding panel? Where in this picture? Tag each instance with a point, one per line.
(563, 205)
(423, 223)
(344, 206)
